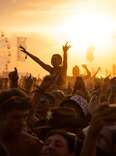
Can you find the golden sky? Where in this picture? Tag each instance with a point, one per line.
(52, 22)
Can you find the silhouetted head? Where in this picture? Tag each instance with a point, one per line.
(76, 71)
(56, 60)
(14, 110)
(79, 85)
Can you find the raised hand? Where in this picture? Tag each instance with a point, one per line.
(22, 49)
(66, 47)
(93, 104)
(103, 116)
(84, 65)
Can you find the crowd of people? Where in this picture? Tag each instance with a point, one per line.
(58, 115)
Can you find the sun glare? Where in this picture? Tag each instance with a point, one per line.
(86, 30)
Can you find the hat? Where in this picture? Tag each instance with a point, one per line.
(63, 118)
(81, 102)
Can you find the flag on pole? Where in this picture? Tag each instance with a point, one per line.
(21, 41)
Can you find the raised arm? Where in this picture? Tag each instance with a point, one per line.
(101, 117)
(65, 48)
(89, 145)
(87, 70)
(37, 60)
(96, 72)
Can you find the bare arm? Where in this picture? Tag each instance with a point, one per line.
(101, 117)
(66, 47)
(87, 70)
(37, 60)
(96, 72)
(89, 145)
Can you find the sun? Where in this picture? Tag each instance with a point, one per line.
(84, 30)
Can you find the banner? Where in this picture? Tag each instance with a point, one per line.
(21, 41)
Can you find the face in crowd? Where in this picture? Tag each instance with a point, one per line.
(14, 121)
(14, 111)
(57, 145)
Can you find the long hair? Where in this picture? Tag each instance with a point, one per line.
(79, 88)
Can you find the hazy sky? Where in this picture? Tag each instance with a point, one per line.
(56, 20)
(33, 13)
(44, 13)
